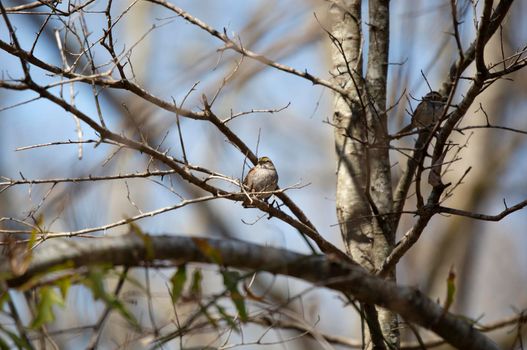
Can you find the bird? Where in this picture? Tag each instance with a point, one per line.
(428, 111)
(263, 177)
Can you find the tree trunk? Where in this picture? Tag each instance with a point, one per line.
(364, 187)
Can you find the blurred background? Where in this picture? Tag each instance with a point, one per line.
(172, 59)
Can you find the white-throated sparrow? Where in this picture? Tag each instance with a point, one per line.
(262, 178)
(427, 112)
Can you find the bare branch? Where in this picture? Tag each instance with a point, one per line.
(231, 44)
(131, 250)
(484, 217)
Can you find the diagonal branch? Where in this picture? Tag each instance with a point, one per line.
(484, 217)
(482, 39)
(103, 80)
(304, 225)
(231, 44)
(496, 19)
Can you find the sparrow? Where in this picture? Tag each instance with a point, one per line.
(262, 178)
(428, 111)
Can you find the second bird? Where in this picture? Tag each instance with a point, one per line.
(427, 112)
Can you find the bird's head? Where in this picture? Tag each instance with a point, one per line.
(264, 160)
(434, 96)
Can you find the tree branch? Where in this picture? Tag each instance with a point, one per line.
(131, 250)
(484, 217)
(231, 44)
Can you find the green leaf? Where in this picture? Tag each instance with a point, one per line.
(178, 282)
(226, 317)
(48, 297)
(95, 282)
(64, 285)
(195, 287)
(230, 280)
(3, 298)
(239, 302)
(450, 289)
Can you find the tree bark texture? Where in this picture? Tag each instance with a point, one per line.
(364, 186)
